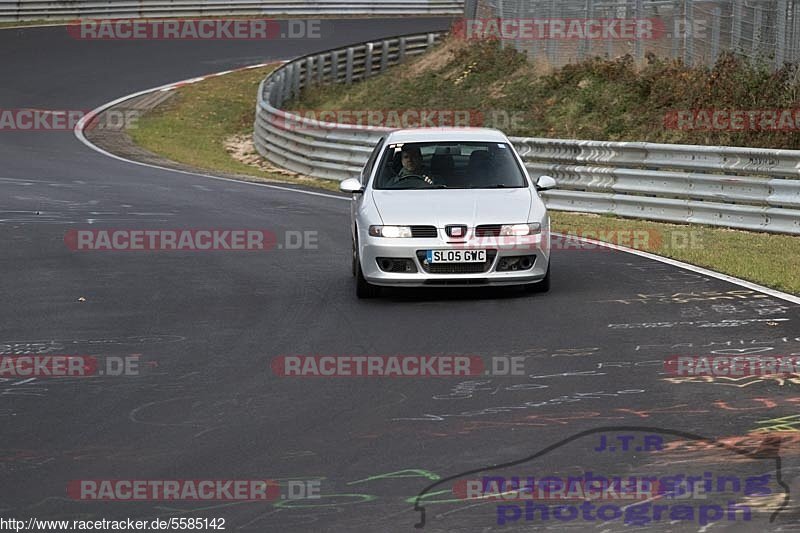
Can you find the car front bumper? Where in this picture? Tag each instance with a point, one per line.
(497, 249)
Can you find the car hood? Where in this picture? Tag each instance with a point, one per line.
(441, 207)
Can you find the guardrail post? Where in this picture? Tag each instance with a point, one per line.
(384, 55)
(321, 68)
(368, 60)
(308, 79)
(296, 80)
(267, 92)
(270, 91)
(276, 96)
(335, 66)
(289, 76)
(348, 78)
(401, 50)
(431, 40)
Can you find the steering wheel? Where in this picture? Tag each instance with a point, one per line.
(416, 177)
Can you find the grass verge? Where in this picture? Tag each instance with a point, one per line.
(25, 23)
(193, 127)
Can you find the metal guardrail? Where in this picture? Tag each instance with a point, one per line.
(747, 188)
(333, 151)
(21, 10)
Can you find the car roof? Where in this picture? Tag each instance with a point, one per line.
(446, 134)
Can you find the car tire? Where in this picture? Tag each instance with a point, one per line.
(540, 286)
(364, 289)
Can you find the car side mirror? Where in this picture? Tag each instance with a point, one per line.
(351, 186)
(545, 182)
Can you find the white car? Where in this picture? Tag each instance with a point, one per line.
(447, 206)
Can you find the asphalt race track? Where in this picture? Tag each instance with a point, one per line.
(207, 326)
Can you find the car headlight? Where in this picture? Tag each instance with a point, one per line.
(392, 232)
(520, 230)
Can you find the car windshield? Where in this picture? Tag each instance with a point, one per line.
(449, 165)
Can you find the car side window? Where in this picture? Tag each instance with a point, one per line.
(366, 172)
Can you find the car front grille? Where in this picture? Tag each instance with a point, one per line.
(488, 230)
(456, 268)
(424, 232)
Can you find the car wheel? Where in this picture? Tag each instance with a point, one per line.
(540, 286)
(364, 289)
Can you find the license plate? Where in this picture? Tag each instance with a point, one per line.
(456, 256)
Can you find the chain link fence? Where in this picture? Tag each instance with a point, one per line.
(565, 31)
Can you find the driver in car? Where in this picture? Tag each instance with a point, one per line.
(411, 158)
